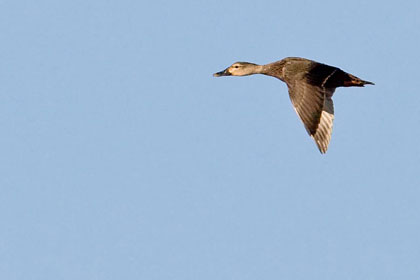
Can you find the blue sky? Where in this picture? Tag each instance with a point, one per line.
(123, 158)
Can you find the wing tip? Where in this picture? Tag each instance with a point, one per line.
(322, 145)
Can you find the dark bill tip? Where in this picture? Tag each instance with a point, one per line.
(221, 73)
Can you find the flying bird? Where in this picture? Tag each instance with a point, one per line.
(311, 86)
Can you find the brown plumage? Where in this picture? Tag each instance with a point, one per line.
(311, 86)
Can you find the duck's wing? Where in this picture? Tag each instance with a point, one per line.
(314, 106)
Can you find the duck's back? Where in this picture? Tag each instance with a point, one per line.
(317, 74)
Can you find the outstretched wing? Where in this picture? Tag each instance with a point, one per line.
(314, 106)
(322, 135)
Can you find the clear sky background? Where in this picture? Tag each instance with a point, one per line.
(123, 158)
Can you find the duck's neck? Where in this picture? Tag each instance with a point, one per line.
(262, 69)
(258, 69)
(272, 69)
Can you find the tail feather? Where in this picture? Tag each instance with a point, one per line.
(353, 81)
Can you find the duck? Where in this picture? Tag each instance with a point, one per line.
(311, 86)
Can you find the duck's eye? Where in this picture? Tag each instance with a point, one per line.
(236, 66)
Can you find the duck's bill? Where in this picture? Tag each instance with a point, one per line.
(222, 73)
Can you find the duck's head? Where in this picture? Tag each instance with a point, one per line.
(238, 69)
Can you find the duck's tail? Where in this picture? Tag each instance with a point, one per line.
(353, 81)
